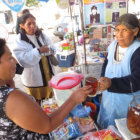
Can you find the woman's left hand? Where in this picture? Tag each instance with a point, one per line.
(104, 83)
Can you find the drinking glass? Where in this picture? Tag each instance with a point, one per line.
(93, 81)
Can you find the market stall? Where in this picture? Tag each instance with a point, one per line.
(78, 125)
(88, 56)
(90, 52)
(81, 124)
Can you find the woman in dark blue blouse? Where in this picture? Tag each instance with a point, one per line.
(121, 71)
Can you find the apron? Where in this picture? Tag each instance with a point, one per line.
(115, 105)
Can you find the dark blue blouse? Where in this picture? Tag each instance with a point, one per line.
(122, 84)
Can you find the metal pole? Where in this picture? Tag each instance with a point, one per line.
(82, 21)
(73, 36)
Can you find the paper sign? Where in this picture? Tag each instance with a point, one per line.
(15, 5)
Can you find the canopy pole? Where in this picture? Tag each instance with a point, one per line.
(82, 21)
(73, 35)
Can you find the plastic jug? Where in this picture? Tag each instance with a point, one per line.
(64, 84)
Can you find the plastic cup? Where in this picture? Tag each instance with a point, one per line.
(90, 80)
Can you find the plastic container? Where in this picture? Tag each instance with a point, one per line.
(64, 84)
(97, 103)
(65, 46)
(91, 49)
(111, 133)
(66, 58)
(133, 115)
(93, 108)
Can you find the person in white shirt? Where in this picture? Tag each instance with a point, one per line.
(32, 49)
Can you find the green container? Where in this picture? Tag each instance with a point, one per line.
(65, 47)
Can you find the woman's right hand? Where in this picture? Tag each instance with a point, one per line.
(104, 83)
(80, 94)
(44, 49)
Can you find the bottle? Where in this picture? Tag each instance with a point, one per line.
(133, 115)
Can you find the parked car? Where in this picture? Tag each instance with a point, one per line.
(65, 26)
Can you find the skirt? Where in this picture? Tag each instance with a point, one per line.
(42, 92)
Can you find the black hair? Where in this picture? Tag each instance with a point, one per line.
(93, 7)
(25, 11)
(23, 19)
(2, 46)
(130, 21)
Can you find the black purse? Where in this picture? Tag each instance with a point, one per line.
(53, 60)
(19, 69)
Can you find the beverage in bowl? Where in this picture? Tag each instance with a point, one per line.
(89, 80)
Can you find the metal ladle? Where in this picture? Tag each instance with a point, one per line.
(131, 86)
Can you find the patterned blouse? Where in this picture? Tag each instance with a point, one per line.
(8, 129)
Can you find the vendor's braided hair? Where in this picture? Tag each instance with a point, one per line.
(129, 20)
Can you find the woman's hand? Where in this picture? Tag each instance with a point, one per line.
(104, 83)
(80, 94)
(44, 49)
(51, 52)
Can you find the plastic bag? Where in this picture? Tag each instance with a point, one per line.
(80, 111)
(106, 134)
(85, 124)
(67, 130)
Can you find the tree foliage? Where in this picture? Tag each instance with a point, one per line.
(30, 3)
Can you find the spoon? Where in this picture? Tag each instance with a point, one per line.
(131, 86)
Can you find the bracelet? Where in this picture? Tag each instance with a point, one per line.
(39, 51)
